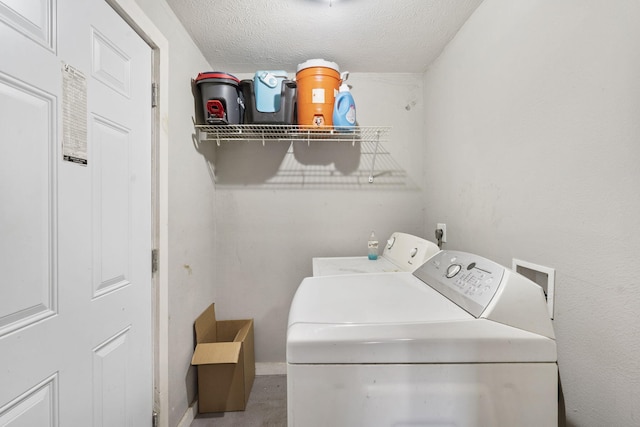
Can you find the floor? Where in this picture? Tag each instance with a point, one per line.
(267, 407)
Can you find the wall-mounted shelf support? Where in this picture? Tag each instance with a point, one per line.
(373, 161)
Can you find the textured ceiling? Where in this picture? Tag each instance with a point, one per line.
(359, 35)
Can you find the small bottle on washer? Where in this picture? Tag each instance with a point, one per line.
(373, 247)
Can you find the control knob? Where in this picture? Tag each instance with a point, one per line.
(452, 270)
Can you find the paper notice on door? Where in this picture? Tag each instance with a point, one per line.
(74, 115)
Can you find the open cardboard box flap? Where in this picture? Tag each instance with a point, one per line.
(233, 330)
(210, 330)
(206, 330)
(216, 352)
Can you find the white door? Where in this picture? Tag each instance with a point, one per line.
(75, 239)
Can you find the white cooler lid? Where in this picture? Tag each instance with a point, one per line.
(318, 62)
(396, 318)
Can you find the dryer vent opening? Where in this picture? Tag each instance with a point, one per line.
(543, 276)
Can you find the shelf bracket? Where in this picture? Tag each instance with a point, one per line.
(375, 153)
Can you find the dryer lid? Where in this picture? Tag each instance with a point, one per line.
(374, 298)
(464, 341)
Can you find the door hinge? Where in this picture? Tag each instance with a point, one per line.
(154, 419)
(154, 95)
(154, 261)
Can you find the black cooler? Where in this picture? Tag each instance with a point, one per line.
(221, 98)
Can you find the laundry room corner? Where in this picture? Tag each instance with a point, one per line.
(267, 234)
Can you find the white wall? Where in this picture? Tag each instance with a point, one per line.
(191, 197)
(532, 133)
(266, 236)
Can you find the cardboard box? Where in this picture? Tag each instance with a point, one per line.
(226, 362)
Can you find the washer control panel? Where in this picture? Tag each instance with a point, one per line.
(468, 280)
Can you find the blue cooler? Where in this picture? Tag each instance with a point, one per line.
(267, 86)
(268, 105)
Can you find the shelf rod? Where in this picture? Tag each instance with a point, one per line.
(375, 153)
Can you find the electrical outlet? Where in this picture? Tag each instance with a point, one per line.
(443, 227)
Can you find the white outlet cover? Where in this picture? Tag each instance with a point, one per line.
(442, 227)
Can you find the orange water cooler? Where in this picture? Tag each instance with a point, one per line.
(318, 83)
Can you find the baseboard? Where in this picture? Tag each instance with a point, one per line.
(190, 415)
(271, 368)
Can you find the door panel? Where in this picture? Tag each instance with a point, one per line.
(75, 300)
(111, 206)
(29, 292)
(110, 378)
(36, 407)
(111, 65)
(34, 19)
(26, 217)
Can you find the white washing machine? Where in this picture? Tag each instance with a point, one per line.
(402, 252)
(462, 341)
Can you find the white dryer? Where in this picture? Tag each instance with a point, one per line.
(402, 252)
(462, 341)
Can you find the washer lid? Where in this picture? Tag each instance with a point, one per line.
(331, 266)
(396, 318)
(402, 252)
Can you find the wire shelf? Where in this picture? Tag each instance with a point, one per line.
(293, 133)
(374, 135)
